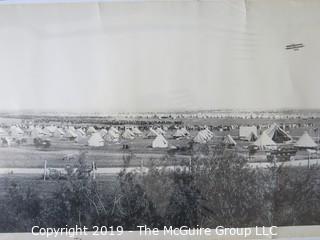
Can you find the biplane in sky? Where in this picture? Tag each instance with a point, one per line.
(294, 47)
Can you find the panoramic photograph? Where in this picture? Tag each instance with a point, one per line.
(192, 115)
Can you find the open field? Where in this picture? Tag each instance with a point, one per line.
(113, 154)
(110, 155)
(140, 152)
(22, 164)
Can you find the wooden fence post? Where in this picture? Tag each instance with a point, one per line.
(45, 170)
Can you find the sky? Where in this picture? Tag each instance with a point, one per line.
(159, 55)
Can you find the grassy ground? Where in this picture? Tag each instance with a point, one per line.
(112, 154)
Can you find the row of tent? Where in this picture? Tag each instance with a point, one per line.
(68, 132)
(268, 139)
(92, 137)
(265, 142)
(71, 132)
(98, 139)
(271, 137)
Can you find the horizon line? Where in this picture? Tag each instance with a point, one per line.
(40, 112)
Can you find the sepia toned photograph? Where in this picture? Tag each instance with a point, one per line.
(187, 118)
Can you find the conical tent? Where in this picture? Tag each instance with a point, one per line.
(179, 134)
(91, 130)
(277, 134)
(47, 132)
(70, 133)
(136, 131)
(103, 132)
(265, 142)
(229, 141)
(37, 132)
(111, 136)
(128, 134)
(252, 137)
(305, 141)
(203, 136)
(16, 132)
(79, 131)
(160, 142)
(208, 132)
(152, 133)
(58, 132)
(96, 140)
(51, 129)
(185, 131)
(160, 131)
(114, 130)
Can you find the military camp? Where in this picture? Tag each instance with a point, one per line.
(263, 138)
(54, 151)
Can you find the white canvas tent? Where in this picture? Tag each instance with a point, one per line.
(58, 133)
(209, 133)
(72, 128)
(16, 132)
(50, 129)
(47, 132)
(152, 133)
(181, 133)
(136, 131)
(228, 140)
(70, 133)
(103, 132)
(80, 132)
(252, 137)
(91, 130)
(37, 132)
(203, 136)
(277, 134)
(115, 130)
(160, 142)
(264, 142)
(185, 131)
(96, 140)
(128, 134)
(111, 136)
(305, 141)
(160, 131)
(248, 133)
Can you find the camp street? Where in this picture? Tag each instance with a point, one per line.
(116, 170)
